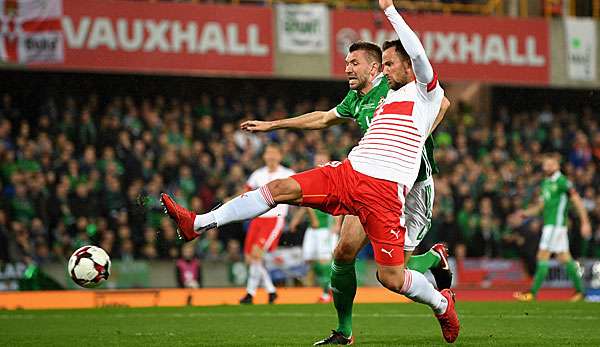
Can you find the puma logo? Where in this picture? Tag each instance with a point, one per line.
(395, 233)
(387, 252)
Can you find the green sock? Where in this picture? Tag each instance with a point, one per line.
(322, 275)
(325, 279)
(343, 285)
(423, 262)
(540, 274)
(574, 276)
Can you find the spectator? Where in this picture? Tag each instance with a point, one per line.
(188, 268)
(80, 168)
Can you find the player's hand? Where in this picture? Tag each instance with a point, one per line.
(314, 225)
(586, 230)
(383, 4)
(256, 126)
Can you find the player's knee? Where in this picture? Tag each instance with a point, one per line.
(283, 190)
(344, 253)
(391, 281)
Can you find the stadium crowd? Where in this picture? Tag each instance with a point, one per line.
(91, 170)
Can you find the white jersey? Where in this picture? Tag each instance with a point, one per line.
(261, 177)
(391, 148)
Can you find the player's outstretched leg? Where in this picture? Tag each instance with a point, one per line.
(246, 206)
(183, 217)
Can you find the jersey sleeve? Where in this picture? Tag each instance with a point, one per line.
(344, 109)
(420, 63)
(566, 185)
(429, 90)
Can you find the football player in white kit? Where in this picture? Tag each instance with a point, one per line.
(265, 230)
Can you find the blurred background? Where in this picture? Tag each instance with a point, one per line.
(105, 104)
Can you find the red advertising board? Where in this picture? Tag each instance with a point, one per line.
(489, 49)
(166, 37)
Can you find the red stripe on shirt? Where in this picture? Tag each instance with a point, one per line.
(401, 107)
(378, 127)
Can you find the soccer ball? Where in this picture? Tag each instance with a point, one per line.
(89, 266)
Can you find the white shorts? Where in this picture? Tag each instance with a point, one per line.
(419, 208)
(554, 239)
(318, 244)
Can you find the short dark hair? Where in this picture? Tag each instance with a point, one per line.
(399, 48)
(373, 51)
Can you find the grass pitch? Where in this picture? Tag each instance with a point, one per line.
(483, 324)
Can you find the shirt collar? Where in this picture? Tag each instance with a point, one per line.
(376, 80)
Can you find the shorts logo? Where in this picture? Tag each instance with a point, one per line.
(387, 252)
(395, 233)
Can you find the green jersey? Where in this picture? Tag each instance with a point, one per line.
(361, 108)
(555, 190)
(325, 219)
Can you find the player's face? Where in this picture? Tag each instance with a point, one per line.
(550, 166)
(272, 156)
(358, 69)
(395, 69)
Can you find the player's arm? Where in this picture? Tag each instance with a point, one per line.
(308, 121)
(533, 210)
(586, 229)
(440, 116)
(420, 63)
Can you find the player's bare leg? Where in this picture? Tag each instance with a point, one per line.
(246, 206)
(343, 279)
(415, 286)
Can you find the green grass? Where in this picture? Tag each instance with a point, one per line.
(483, 324)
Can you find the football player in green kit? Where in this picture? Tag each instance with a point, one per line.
(556, 190)
(368, 88)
